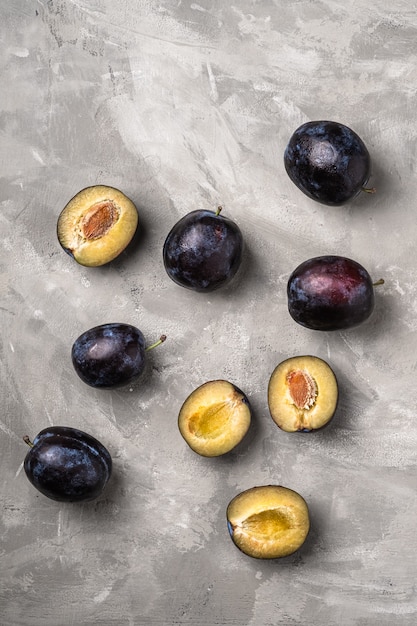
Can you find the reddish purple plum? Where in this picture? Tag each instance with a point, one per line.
(330, 293)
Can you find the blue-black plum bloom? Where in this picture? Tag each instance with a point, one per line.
(109, 355)
(203, 251)
(328, 162)
(67, 464)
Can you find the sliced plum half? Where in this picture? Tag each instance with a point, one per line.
(302, 394)
(268, 522)
(214, 418)
(97, 225)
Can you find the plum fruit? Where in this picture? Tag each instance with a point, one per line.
(110, 355)
(203, 250)
(302, 394)
(97, 225)
(268, 522)
(214, 418)
(328, 162)
(67, 464)
(330, 293)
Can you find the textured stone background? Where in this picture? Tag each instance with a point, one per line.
(186, 105)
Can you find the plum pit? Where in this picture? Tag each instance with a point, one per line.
(302, 394)
(99, 219)
(302, 388)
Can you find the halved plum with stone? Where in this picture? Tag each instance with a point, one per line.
(97, 225)
(330, 293)
(268, 522)
(328, 162)
(302, 394)
(67, 464)
(214, 418)
(110, 355)
(203, 250)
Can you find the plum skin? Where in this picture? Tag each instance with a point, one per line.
(68, 465)
(327, 161)
(110, 355)
(330, 293)
(203, 251)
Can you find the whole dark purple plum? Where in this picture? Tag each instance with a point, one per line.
(110, 355)
(203, 250)
(330, 293)
(328, 162)
(67, 464)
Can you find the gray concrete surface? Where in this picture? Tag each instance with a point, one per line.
(186, 105)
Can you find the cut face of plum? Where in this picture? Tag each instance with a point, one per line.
(327, 161)
(97, 225)
(330, 293)
(214, 418)
(203, 251)
(268, 522)
(302, 394)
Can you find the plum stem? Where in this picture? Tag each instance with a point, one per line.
(381, 281)
(157, 343)
(369, 189)
(219, 209)
(28, 441)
